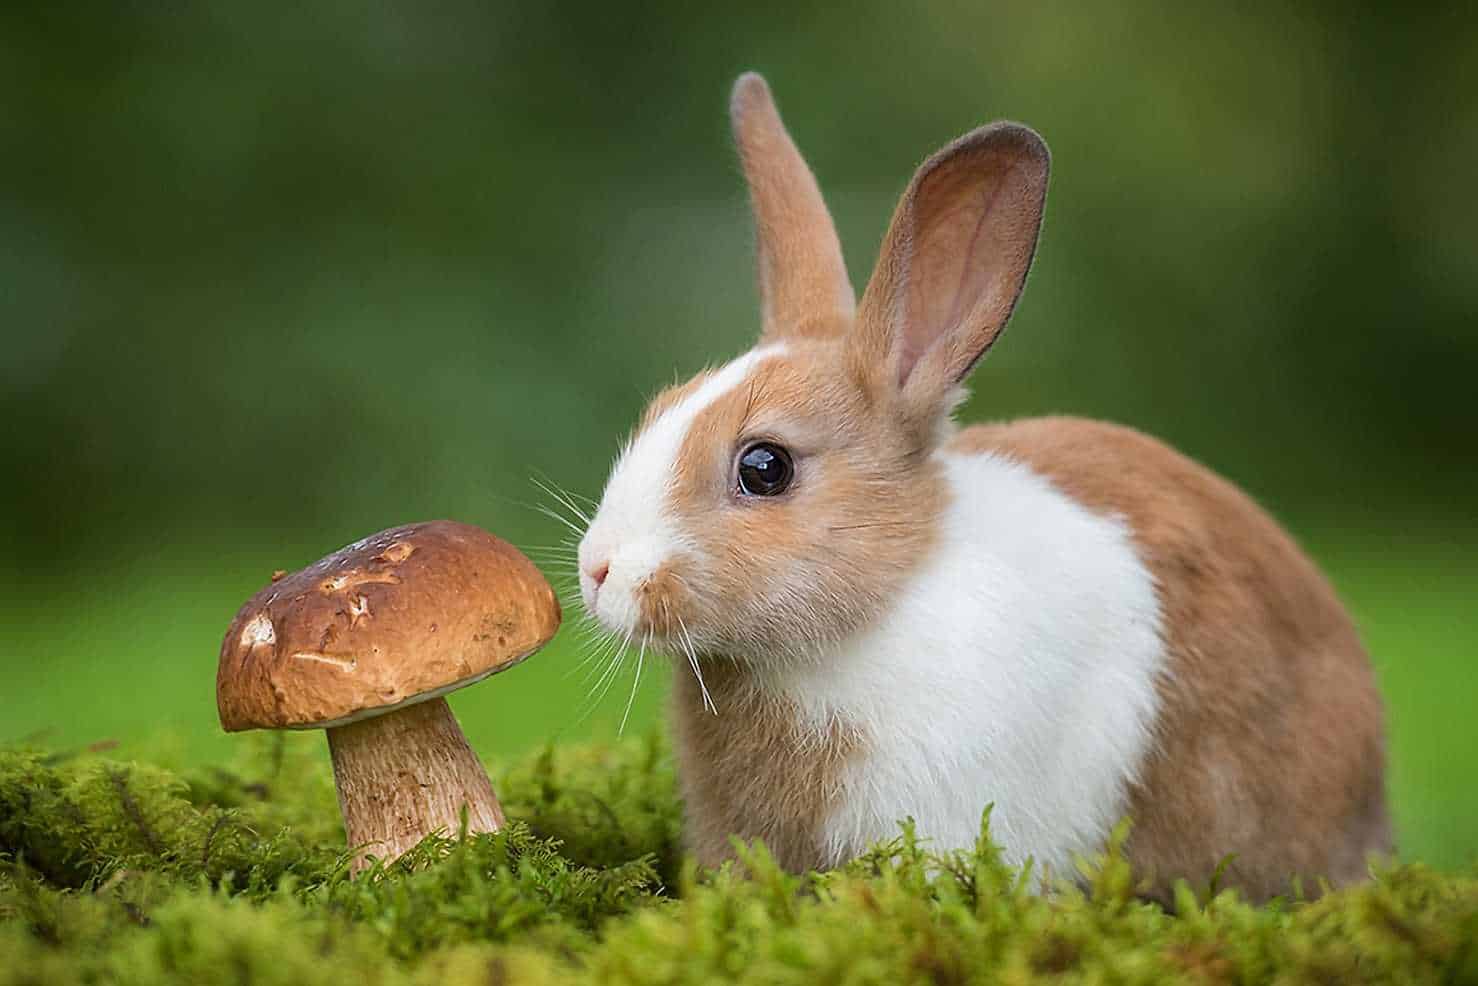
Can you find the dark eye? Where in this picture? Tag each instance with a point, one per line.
(765, 469)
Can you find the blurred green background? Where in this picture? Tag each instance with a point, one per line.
(273, 277)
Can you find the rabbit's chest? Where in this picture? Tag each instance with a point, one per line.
(757, 770)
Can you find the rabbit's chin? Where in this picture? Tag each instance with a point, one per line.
(659, 628)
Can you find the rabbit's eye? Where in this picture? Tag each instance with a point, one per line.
(764, 469)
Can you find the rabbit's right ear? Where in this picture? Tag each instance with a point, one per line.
(952, 265)
(804, 289)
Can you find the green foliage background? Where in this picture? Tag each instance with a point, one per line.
(275, 276)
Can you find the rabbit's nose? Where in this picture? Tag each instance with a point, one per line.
(598, 573)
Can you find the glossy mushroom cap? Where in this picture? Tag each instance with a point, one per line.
(402, 616)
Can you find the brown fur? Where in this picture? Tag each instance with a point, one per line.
(752, 770)
(840, 445)
(833, 402)
(952, 265)
(1270, 742)
(804, 290)
(754, 752)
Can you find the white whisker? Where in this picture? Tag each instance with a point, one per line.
(552, 515)
(601, 649)
(562, 497)
(603, 683)
(635, 682)
(611, 666)
(615, 670)
(594, 504)
(693, 663)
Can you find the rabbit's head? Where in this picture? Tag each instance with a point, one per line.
(778, 502)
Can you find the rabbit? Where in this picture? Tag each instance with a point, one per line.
(877, 614)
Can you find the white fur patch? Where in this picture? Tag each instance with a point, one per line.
(1017, 668)
(632, 530)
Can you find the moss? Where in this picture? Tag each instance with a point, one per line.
(117, 872)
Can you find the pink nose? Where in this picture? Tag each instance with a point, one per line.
(598, 573)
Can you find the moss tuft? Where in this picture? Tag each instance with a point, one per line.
(119, 872)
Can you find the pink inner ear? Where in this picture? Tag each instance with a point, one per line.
(909, 351)
(976, 259)
(975, 215)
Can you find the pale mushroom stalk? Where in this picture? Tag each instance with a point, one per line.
(407, 773)
(365, 644)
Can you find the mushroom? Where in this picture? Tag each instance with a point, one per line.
(365, 644)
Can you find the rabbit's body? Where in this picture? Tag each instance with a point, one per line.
(1269, 742)
(886, 616)
(1029, 664)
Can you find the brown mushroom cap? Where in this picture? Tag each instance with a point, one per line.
(404, 615)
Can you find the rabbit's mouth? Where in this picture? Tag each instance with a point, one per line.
(647, 605)
(642, 616)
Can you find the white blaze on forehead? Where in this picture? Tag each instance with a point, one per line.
(643, 474)
(660, 442)
(632, 529)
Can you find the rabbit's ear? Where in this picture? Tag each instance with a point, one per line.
(953, 264)
(803, 282)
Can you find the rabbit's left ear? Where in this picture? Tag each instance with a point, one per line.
(803, 282)
(953, 264)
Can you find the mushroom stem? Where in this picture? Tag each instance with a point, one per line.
(406, 774)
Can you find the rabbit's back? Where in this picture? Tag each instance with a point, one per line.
(1269, 741)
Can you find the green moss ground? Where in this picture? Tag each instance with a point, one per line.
(124, 872)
